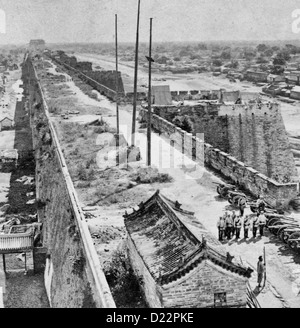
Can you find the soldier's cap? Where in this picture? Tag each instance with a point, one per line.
(260, 258)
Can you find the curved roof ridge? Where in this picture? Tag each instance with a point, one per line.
(205, 253)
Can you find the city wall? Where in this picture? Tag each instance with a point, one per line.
(73, 274)
(245, 176)
(90, 78)
(254, 134)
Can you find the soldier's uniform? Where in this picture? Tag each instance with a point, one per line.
(255, 225)
(238, 225)
(242, 206)
(262, 220)
(229, 226)
(233, 216)
(221, 228)
(246, 226)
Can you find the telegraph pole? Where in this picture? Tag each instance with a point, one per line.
(149, 100)
(135, 77)
(117, 90)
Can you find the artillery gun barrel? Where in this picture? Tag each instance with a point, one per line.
(294, 239)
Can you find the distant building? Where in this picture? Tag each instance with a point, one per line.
(272, 78)
(292, 79)
(177, 266)
(6, 123)
(161, 95)
(295, 93)
(37, 45)
(256, 76)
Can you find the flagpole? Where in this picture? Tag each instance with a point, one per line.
(149, 101)
(135, 78)
(117, 90)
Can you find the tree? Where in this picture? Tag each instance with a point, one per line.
(217, 62)
(234, 64)
(249, 54)
(195, 56)
(183, 122)
(261, 47)
(184, 53)
(261, 60)
(281, 58)
(162, 60)
(268, 53)
(226, 55)
(277, 70)
(275, 48)
(202, 46)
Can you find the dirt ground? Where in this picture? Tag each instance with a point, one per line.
(196, 194)
(32, 295)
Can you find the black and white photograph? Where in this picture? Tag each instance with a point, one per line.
(149, 156)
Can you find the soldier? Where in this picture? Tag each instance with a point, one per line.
(233, 216)
(255, 225)
(260, 271)
(221, 227)
(229, 225)
(238, 225)
(246, 226)
(262, 220)
(242, 205)
(260, 204)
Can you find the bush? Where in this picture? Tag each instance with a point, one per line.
(85, 174)
(124, 284)
(83, 184)
(183, 122)
(150, 175)
(101, 191)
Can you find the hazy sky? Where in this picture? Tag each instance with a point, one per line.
(173, 20)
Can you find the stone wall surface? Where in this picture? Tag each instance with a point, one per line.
(73, 274)
(244, 175)
(201, 285)
(254, 134)
(196, 290)
(151, 290)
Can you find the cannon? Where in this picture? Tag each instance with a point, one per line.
(294, 241)
(268, 209)
(287, 229)
(224, 189)
(234, 197)
(286, 233)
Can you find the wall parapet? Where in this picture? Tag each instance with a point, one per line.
(93, 278)
(245, 176)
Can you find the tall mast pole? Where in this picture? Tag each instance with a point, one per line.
(149, 101)
(135, 77)
(117, 90)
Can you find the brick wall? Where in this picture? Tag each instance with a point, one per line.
(196, 289)
(199, 286)
(151, 290)
(253, 134)
(244, 175)
(73, 275)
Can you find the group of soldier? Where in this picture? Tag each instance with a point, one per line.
(230, 225)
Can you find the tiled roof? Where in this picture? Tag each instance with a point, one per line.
(16, 242)
(163, 236)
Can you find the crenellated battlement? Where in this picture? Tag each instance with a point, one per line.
(255, 108)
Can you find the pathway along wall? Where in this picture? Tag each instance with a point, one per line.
(276, 194)
(73, 274)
